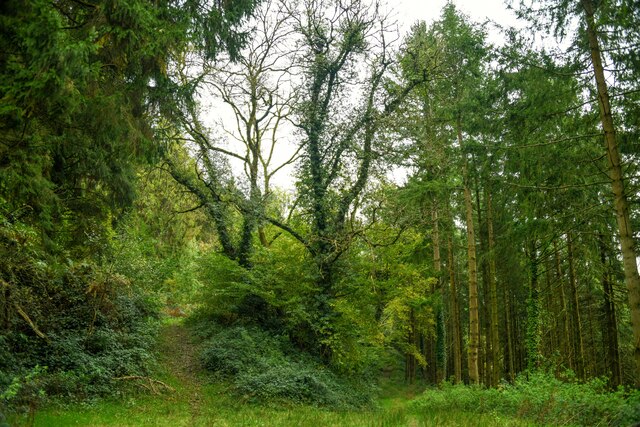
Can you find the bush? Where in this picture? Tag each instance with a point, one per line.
(94, 328)
(540, 397)
(264, 368)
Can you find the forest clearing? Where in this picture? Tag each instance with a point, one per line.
(303, 212)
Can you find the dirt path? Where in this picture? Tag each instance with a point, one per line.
(180, 357)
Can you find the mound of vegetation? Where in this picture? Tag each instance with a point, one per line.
(266, 368)
(542, 398)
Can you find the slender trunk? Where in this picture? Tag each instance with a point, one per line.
(575, 310)
(455, 315)
(591, 365)
(474, 321)
(632, 278)
(565, 339)
(493, 296)
(510, 337)
(429, 339)
(440, 351)
(484, 355)
(533, 312)
(611, 326)
(551, 341)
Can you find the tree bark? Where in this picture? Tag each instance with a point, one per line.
(575, 311)
(474, 321)
(493, 296)
(611, 326)
(632, 278)
(455, 315)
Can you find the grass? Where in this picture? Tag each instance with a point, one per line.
(195, 402)
(217, 408)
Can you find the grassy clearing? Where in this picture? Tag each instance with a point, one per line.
(198, 403)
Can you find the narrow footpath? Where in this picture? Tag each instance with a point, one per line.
(178, 355)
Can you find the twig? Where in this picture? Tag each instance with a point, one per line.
(150, 386)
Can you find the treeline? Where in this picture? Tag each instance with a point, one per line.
(506, 251)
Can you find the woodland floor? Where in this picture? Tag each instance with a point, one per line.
(195, 401)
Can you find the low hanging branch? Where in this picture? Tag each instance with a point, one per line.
(147, 383)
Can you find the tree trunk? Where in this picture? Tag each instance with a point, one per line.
(440, 352)
(533, 311)
(474, 321)
(632, 278)
(493, 297)
(484, 355)
(510, 336)
(611, 326)
(455, 315)
(565, 335)
(575, 311)
(550, 343)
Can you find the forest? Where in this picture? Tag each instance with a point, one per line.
(290, 212)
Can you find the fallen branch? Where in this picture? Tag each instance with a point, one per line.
(27, 319)
(151, 383)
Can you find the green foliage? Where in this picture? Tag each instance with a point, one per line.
(25, 391)
(94, 330)
(542, 398)
(85, 323)
(264, 367)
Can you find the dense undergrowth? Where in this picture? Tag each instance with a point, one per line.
(263, 367)
(94, 329)
(69, 329)
(541, 398)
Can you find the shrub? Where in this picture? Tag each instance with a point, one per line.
(95, 327)
(540, 397)
(264, 368)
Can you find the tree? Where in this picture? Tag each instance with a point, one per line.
(346, 51)
(257, 87)
(595, 20)
(457, 55)
(81, 83)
